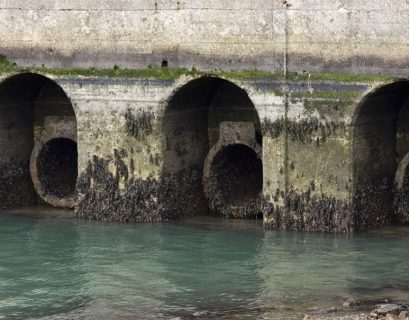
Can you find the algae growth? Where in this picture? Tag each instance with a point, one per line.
(165, 73)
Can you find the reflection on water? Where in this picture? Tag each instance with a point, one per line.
(66, 268)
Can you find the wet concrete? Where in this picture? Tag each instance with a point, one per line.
(16, 188)
(27, 100)
(41, 211)
(304, 211)
(305, 130)
(156, 171)
(103, 195)
(58, 167)
(235, 182)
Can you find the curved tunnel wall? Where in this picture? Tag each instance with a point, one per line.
(380, 141)
(191, 126)
(30, 106)
(51, 101)
(231, 104)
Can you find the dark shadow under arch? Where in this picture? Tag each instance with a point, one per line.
(191, 127)
(57, 165)
(380, 140)
(29, 105)
(236, 180)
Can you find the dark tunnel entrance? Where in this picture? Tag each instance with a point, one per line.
(191, 126)
(380, 143)
(34, 110)
(57, 165)
(236, 179)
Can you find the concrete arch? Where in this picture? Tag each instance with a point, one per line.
(66, 89)
(59, 81)
(380, 141)
(34, 109)
(184, 81)
(230, 140)
(370, 93)
(191, 125)
(196, 95)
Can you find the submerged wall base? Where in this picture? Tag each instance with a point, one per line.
(310, 213)
(103, 195)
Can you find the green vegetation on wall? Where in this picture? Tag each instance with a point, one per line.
(6, 65)
(173, 73)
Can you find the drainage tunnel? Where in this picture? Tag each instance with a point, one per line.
(38, 158)
(380, 147)
(236, 180)
(199, 116)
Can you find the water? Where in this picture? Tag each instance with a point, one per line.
(70, 269)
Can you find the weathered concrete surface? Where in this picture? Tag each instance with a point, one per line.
(53, 161)
(381, 139)
(149, 170)
(142, 146)
(331, 36)
(333, 155)
(232, 173)
(26, 101)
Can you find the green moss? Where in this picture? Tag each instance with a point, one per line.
(331, 94)
(340, 77)
(163, 73)
(171, 74)
(302, 77)
(116, 72)
(248, 75)
(6, 65)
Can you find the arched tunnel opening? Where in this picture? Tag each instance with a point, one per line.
(191, 127)
(33, 110)
(236, 179)
(380, 142)
(57, 165)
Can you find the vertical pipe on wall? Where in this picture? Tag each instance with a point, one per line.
(286, 96)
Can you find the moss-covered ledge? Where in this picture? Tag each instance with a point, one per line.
(6, 66)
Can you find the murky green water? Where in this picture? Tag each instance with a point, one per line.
(70, 269)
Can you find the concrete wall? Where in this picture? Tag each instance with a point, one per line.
(335, 36)
(318, 154)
